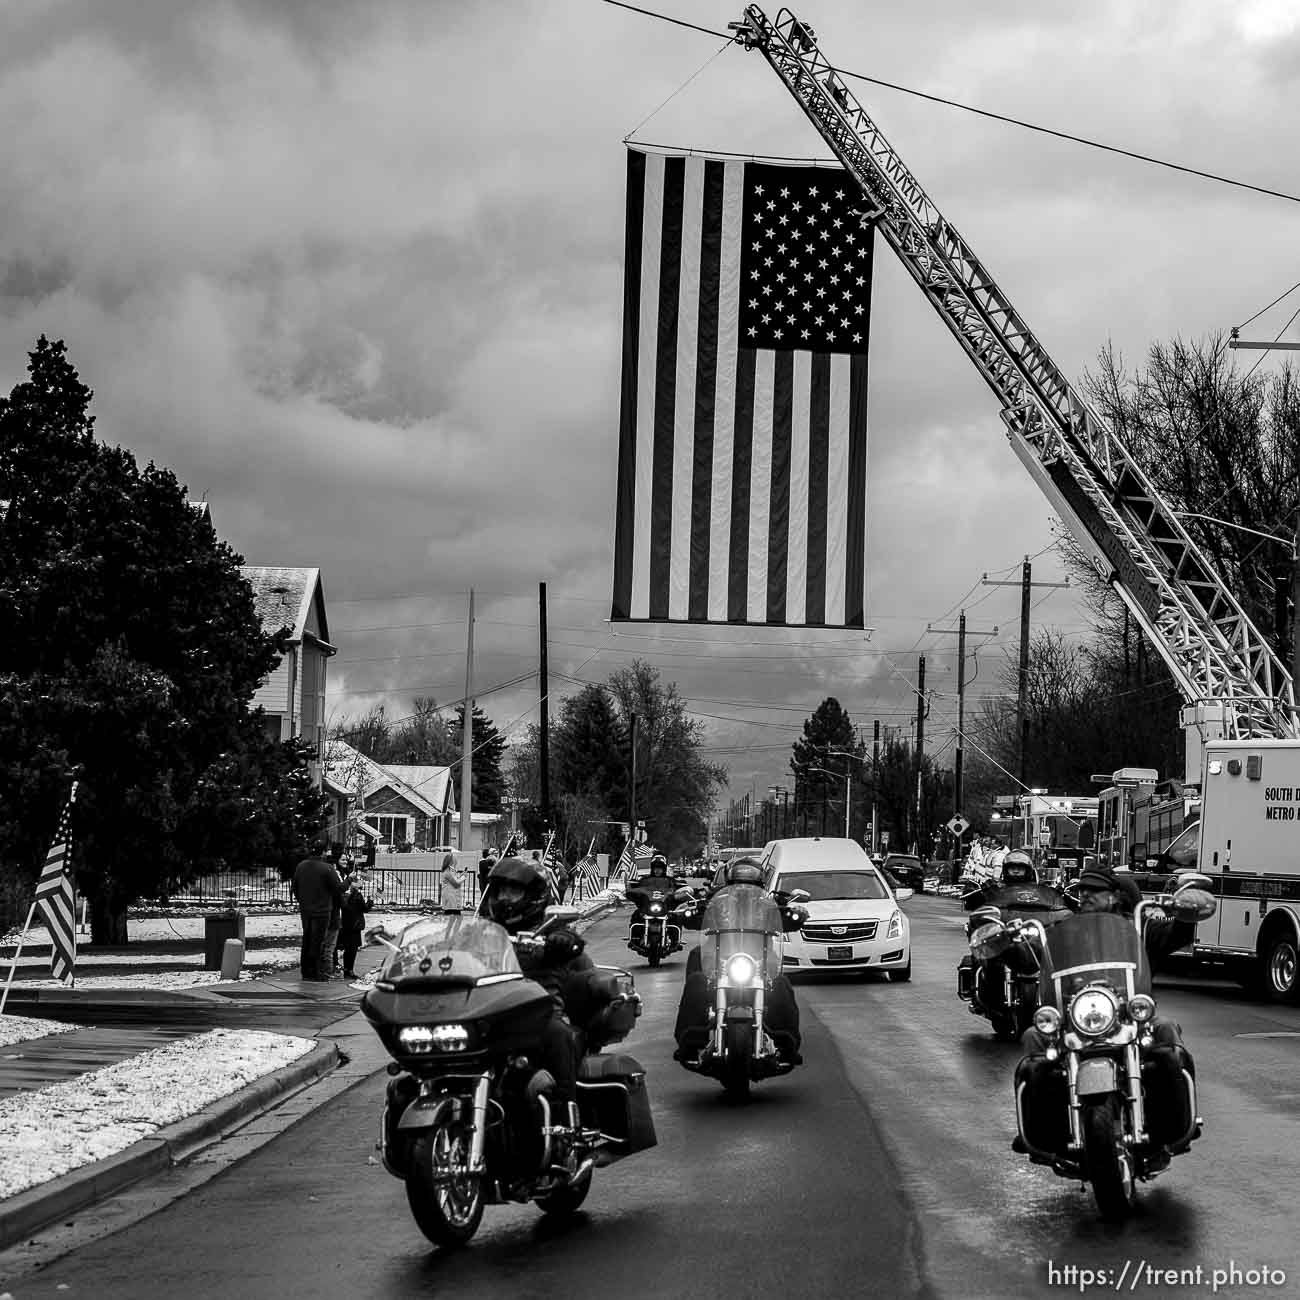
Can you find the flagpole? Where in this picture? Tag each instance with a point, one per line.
(13, 965)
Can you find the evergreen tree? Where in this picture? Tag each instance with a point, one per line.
(487, 783)
(129, 649)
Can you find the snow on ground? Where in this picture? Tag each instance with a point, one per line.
(47, 1133)
(22, 1029)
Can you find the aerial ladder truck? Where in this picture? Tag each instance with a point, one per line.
(1239, 715)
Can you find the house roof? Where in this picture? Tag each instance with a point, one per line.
(283, 597)
(352, 772)
(434, 783)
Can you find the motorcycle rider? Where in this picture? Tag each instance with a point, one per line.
(1045, 1097)
(517, 895)
(781, 1012)
(657, 878)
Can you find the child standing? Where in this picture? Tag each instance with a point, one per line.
(353, 922)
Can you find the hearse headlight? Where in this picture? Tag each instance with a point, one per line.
(1141, 1007)
(1094, 1012)
(895, 927)
(419, 1039)
(740, 968)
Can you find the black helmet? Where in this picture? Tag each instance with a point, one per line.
(659, 865)
(745, 871)
(517, 894)
(1018, 869)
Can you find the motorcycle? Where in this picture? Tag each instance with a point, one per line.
(1096, 1018)
(468, 1122)
(656, 927)
(740, 955)
(999, 976)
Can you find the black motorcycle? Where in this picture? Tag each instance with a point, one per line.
(740, 956)
(655, 930)
(999, 976)
(1096, 1017)
(469, 1122)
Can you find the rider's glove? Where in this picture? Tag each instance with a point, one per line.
(562, 946)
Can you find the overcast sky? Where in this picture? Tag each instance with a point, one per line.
(353, 270)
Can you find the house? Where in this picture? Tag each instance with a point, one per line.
(485, 829)
(293, 693)
(404, 803)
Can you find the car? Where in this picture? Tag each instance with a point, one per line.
(854, 920)
(907, 870)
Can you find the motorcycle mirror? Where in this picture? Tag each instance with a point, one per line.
(799, 896)
(1192, 880)
(557, 915)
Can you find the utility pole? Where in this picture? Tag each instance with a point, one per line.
(467, 735)
(875, 770)
(920, 744)
(1022, 692)
(632, 798)
(544, 739)
(958, 792)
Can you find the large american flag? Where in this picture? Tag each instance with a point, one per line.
(743, 435)
(55, 900)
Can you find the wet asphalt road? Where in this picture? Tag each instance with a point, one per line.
(881, 1167)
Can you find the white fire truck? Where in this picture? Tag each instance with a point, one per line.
(1235, 687)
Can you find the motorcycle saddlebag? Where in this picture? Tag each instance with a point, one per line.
(612, 1097)
(591, 1002)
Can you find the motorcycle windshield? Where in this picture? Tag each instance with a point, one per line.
(741, 918)
(651, 889)
(1089, 947)
(452, 946)
(1025, 898)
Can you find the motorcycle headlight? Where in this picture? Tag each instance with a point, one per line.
(740, 968)
(895, 927)
(983, 933)
(433, 1038)
(1094, 1012)
(1047, 1020)
(655, 908)
(1141, 1007)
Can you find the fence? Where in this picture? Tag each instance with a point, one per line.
(389, 886)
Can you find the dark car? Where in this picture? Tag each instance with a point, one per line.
(907, 870)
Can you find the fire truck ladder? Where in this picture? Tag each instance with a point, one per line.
(1131, 535)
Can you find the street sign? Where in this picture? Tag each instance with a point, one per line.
(958, 825)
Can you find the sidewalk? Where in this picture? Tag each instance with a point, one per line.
(125, 1024)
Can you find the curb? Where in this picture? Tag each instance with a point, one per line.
(30, 1211)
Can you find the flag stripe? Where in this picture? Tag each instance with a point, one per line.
(706, 368)
(666, 373)
(837, 511)
(626, 491)
(760, 484)
(742, 455)
(819, 398)
(778, 511)
(684, 414)
(854, 613)
(648, 336)
(796, 559)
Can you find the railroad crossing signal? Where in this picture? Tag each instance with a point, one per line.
(958, 825)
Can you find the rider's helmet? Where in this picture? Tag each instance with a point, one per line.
(658, 865)
(744, 871)
(517, 894)
(1018, 868)
(1097, 880)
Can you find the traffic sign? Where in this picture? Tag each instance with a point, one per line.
(958, 825)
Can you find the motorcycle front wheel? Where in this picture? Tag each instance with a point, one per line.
(740, 1053)
(1109, 1165)
(654, 956)
(446, 1203)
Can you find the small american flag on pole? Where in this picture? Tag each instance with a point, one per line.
(55, 901)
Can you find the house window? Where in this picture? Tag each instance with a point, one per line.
(392, 830)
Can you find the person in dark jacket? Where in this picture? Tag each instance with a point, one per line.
(355, 907)
(1168, 1106)
(517, 896)
(318, 890)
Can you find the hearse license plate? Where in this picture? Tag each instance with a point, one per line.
(840, 952)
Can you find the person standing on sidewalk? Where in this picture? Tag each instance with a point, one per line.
(355, 907)
(318, 889)
(451, 885)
